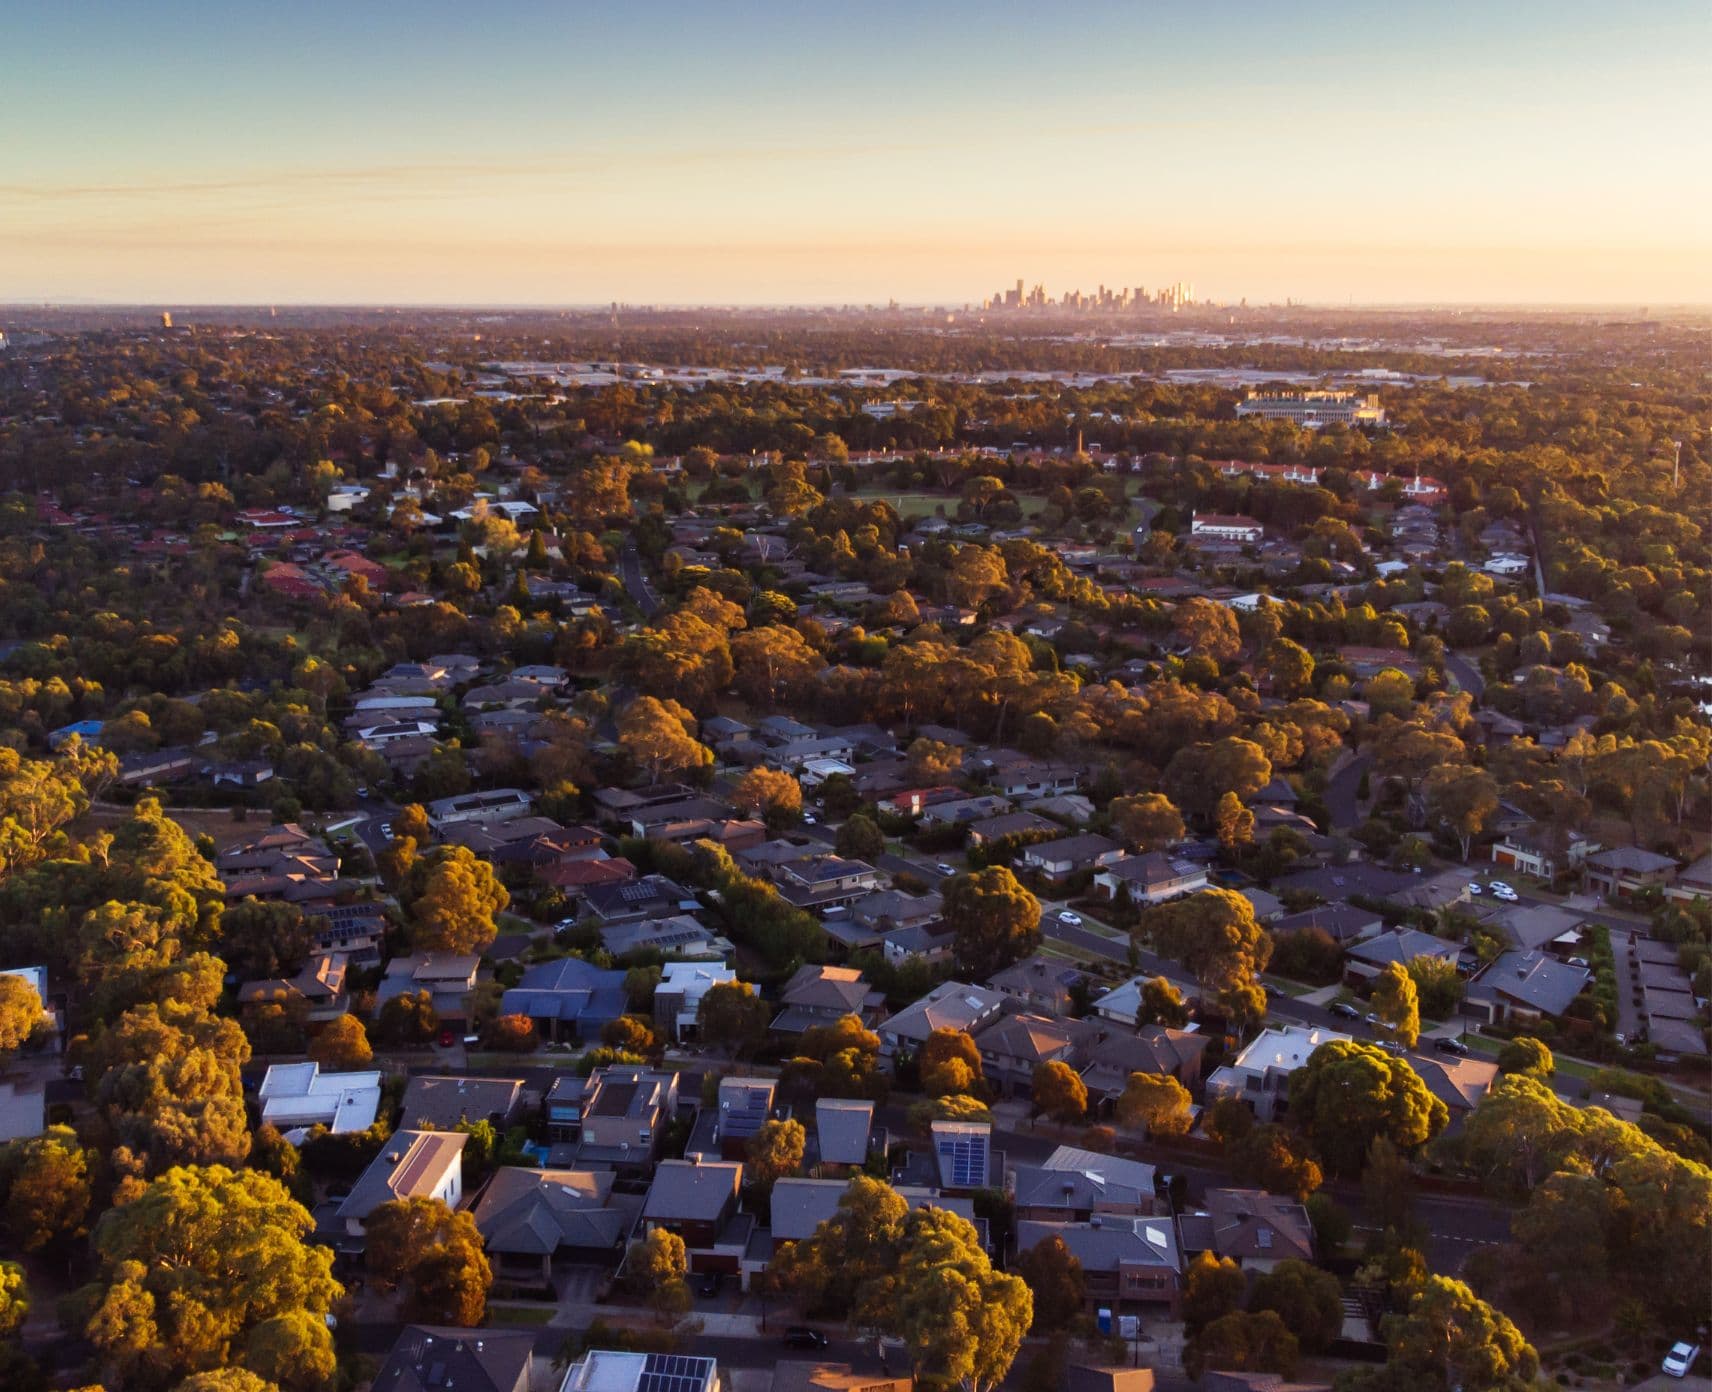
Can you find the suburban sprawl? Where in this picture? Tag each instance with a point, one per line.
(1090, 846)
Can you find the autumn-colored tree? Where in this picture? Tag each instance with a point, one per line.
(1397, 1004)
(1213, 1286)
(1463, 801)
(1452, 1336)
(46, 1182)
(631, 1033)
(656, 1267)
(932, 761)
(1162, 1004)
(1243, 1342)
(1528, 1056)
(861, 838)
(435, 1255)
(1288, 667)
(191, 1268)
(1215, 935)
(773, 663)
(994, 921)
(1156, 1103)
(949, 1063)
(511, 1034)
(1233, 822)
(20, 1012)
(452, 897)
(774, 1152)
(341, 1044)
(961, 1321)
(1209, 630)
(1054, 1275)
(767, 791)
(1059, 1091)
(732, 1017)
(1147, 821)
(1348, 1092)
(658, 736)
(1275, 1158)
(408, 1018)
(14, 1299)
(412, 820)
(1307, 1299)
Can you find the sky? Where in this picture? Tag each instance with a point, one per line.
(812, 151)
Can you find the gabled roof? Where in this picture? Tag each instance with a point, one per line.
(842, 1127)
(413, 1164)
(525, 1212)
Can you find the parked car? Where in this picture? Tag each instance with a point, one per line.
(1680, 1359)
(945, 869)
(800, 1336)
(447, 1038)
(1500, 887)
(1451, 1046)
(709, 1284)
(1474, 887)
(1506, 896)
(1345, 1009)
(1392, 1046)
(386, 831)
(1372, 1018)
(1074, 920)
(808, 818)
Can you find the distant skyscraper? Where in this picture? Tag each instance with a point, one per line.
(166, 319)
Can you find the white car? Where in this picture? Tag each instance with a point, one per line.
(945, 869)
(808, 818)
(1680, 1359)
(1474, 887)
(1070, 920)
(1500, 887)
(1507, 896)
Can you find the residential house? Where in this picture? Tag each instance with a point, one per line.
(949, 1005)
(1129, 1265)
(1459, 1083)
(297, 1096)
(1218, 526)
(1059, 859)
(319, 986)
(1113, 1056)
(616, 1117)
(23, 1111)
(495, 805)
(600, 1370)
(430, 1359)
(1364, 961)
(678, 997)
(411, 1165)
(1524, 986)
(568, 998)
(444, 1104)
(448, 977)
(1124, 1005)
(963, 1155)
(1014, 1045)
(529, 1218)
(1039, 983)
(1260, 1074)
(1344, 924)
(1254, 1229)
(843, 1128)
(820, 881)
(1541, 852)
(744, 1106)
(678, 935)
(801, 1375)
(1623, 871)
(821, 995)
(698, 1200)
(1151, 878)
(652, 896)
(987, 830)
(1072, 1185)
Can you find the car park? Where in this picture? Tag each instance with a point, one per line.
(1680, 1359)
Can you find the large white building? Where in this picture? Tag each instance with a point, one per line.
(1260, 1074)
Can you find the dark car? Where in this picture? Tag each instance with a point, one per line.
(1345, 1009)
(800, 1336)
(1451, 1046)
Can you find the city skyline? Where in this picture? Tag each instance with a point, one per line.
(767, 156)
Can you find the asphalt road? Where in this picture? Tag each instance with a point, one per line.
(1341, 797)
(636, 581)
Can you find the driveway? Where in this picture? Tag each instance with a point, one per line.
(1341, 793)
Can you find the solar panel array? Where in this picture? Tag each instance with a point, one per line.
(964, 1160)
(671, 1372)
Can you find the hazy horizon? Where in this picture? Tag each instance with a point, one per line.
(770, 156)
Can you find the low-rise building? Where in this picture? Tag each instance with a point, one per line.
(296, 1096)
(444, 1104)
(411, 1165)
(1525, 985)
(429, 1359)
(1260, 1074)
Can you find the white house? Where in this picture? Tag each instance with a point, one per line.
(296, 1096)
(1260, 1074)
(682, 986)
(1218, 526)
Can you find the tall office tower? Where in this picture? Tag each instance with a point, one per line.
(166, 319)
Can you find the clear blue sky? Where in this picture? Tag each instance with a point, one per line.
(550, 153)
